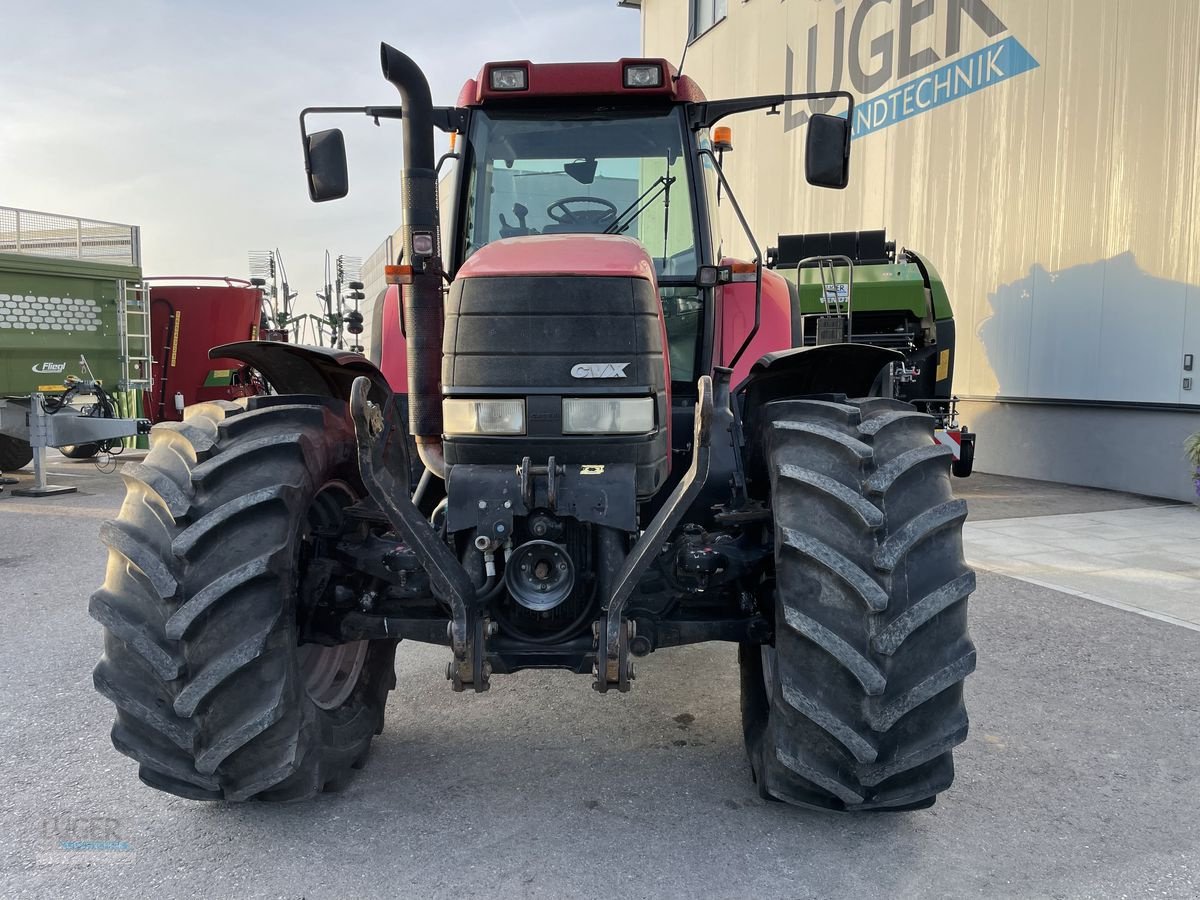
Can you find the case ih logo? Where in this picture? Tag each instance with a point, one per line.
(872, 57)
(49, 368)
(599, 370)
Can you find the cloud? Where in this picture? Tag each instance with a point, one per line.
(182, 118)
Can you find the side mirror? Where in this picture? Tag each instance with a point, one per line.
(325, 163)
(827, 151)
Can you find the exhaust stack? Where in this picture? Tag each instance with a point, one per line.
(424, 316)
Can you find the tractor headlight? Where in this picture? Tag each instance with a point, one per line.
(604, 415)
(510, 78)
(483, 416)
(643, 76)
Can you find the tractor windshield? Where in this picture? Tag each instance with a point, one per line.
(540, 173)
(553, 173)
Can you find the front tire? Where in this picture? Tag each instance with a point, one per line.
(859, 702)
(215, 697)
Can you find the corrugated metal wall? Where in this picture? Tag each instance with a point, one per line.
(1061, 202)
(1058, 194)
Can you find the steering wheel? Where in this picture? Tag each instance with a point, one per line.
(560, 211)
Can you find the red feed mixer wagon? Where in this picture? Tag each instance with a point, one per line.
(189, 316)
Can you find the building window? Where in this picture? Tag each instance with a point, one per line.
(704, 15)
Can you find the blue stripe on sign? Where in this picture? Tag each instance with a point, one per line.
(994, 63)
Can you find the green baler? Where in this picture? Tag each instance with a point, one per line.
(856, 286)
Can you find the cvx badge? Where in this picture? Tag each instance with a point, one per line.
(599, 370)
(49, 368)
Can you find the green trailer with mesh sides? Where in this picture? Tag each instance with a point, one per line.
(74, 344)
(858, 287)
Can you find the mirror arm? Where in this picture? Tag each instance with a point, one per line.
(758, 257)
(450, 118)
(709, 112)
(445, 118)
(375, 112)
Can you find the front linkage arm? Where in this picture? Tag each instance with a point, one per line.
(383, 451)
(614, 631)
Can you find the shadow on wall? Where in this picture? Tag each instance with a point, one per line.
(1105, 330)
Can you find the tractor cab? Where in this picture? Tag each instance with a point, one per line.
(620, 148)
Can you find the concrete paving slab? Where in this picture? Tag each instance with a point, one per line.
(1157, 573)
(1069, 560)
(1165, 561)
(1004, 497)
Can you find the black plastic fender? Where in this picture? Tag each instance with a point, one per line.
(299, 369)
(848, 369)
(828, 370)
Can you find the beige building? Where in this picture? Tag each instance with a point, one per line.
(1043, 153)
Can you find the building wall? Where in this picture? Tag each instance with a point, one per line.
(1095, 446)
(1043, 154)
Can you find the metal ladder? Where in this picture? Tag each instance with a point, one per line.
(834, 325)
(133, 327)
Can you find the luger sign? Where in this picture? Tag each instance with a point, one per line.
(870, 59)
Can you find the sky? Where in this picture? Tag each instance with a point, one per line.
(182, 117)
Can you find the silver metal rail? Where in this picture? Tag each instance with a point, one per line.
(34, 233)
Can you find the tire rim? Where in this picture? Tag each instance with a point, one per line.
(331, 673)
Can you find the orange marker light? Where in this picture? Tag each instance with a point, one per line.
(722, 137)
(398, 274)
(743, 271)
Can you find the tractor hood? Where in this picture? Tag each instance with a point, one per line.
(559, 327)
(603, 255)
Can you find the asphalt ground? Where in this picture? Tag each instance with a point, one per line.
(1080, 777)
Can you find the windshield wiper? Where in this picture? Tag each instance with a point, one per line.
(659, 186)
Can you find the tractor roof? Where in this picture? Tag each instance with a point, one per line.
(566, 80)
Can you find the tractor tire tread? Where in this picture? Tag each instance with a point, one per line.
(199, 639)
(859, 704)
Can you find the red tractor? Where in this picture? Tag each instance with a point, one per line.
(634, 455)
(187, 317)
